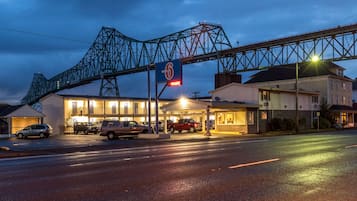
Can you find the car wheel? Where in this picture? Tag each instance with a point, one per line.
(172, 130)
(192, 130)
(180, 131)
(86, 132)
(42, 135)
(20, 135)
(111, 136)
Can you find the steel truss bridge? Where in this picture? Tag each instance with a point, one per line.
(113, 54)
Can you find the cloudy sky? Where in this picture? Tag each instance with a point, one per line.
(50, 36)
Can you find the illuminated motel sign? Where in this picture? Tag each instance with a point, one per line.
(169, 72)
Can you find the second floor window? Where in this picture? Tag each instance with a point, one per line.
(74, 107)
(265, 95)
(315, 99)
(136, 108)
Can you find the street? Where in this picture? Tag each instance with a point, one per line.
(294, 167)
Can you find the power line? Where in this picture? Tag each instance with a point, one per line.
(43, 35)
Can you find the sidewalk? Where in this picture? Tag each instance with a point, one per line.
(6, 136)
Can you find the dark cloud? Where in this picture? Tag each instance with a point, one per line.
(50, 36)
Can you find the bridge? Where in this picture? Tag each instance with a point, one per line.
(113, 54)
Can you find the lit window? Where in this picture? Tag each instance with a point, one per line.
(229, 118)
(250, 118)
(136, 108)
(263, 115)
(265, 95)
(91, 107)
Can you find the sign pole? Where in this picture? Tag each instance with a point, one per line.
(149, 99)
(156, 106)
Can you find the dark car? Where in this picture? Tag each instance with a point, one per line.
(85, 128)
(113, 128)
(41, 130)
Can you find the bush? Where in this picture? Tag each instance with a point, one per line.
(275, 124)
(324, 123)
(288, 124)
(302, 122)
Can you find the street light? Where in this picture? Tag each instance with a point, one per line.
(313, 59)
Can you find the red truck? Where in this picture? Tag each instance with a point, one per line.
(183, 124)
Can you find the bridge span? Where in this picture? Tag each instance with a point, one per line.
(113, 54)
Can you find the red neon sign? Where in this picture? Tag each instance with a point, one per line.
(174, 83)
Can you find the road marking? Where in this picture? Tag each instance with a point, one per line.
(351, 146)
(144, 149)
(254, 163)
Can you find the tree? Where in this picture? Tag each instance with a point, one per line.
(325, 112)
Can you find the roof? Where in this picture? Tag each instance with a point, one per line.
(7, 109)
(301, 91)
(230, 85)
(111, 97)
(285, 72)
(341, 108)
(234, 104)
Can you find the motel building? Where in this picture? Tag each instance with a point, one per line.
(234, 108)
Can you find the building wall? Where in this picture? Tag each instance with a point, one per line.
(236, 92)
(53, 108)
(95, 110)
(286, 101)
(335, 90)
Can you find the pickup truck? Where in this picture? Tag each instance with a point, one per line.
(184, 124)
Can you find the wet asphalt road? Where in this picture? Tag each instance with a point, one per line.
(300, 167)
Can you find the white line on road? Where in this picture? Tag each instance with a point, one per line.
(144, 149)
(254, 163)
(351, 146)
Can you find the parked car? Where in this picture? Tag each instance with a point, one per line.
(85, 128)
(113, 128)
(184, 124)
(41, 130)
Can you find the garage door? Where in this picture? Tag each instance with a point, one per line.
(21, 122)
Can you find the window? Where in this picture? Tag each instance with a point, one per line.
(343, 85)
(136, 108)
(344, 100)
(126, 108)
(91, 107)
(74, 107)
(229, 118)
(315, 99)
(114, 108)
(263, 115)
(232, 118)
(265, 95)
(339, 72)
(251, 118)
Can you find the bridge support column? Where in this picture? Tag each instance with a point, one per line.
(109, 87)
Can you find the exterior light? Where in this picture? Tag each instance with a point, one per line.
(113, 103)
(92, 103)
(315, 58)
(183, 102)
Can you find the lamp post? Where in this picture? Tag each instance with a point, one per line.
(296, 97)
(314, 59)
